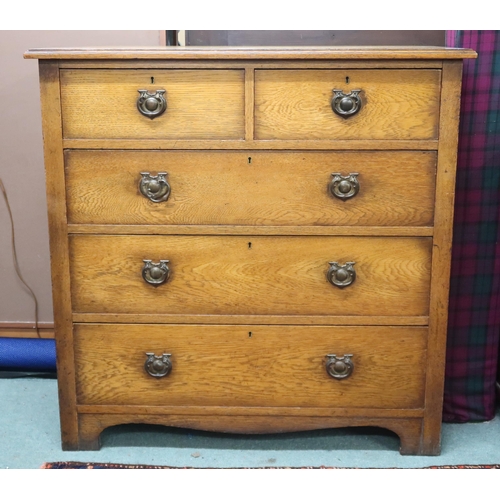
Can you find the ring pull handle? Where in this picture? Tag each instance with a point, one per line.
(344, 186)
(346, 105)
(158, 366)
(155, 273)
(151, 105)
(339, 367)
(341, 275)
(155, 187)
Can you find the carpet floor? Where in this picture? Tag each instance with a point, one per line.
(30, 437)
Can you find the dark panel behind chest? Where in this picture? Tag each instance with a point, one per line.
(315, 37)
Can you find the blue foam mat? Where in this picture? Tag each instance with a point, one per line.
(27, 354)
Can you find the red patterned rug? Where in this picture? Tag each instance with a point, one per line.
(82, 465)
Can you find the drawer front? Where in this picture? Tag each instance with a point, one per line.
(250, 365)
(200, 104)
(395, 104)
(283, 275)
(251, 188)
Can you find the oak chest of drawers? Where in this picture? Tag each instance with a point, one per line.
(251, 240)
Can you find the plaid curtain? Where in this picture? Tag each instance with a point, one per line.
(474, 321)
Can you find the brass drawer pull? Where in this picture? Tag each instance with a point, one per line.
(344, 186)
(155, 273)
(341, 275)
(339, 367)
(155, 187)
(151, 105)
(158, 366)
(346, 105)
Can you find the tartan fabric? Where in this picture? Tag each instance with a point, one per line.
(474, 318)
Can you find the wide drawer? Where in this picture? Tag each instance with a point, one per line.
(251, 188)
(282, 275)
(395, 104)
(200, 104)
(250, 365)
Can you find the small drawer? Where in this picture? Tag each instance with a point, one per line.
(250, 365)
(389, 188)
(240, 275)
(199, 104)
(391, 104)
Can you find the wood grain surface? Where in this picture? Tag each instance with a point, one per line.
(256, 64)
(274, 366)
(245, 53)
(250, 275)
(298, 411)
(26, 333)
(408, 429)
(201, 104)
(397, 104)
(441, 255)
(253, 230)
(215, 144)
(255, 319)
(59, 253)
(251, 188)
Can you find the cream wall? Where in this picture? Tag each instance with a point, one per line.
(21, 163)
